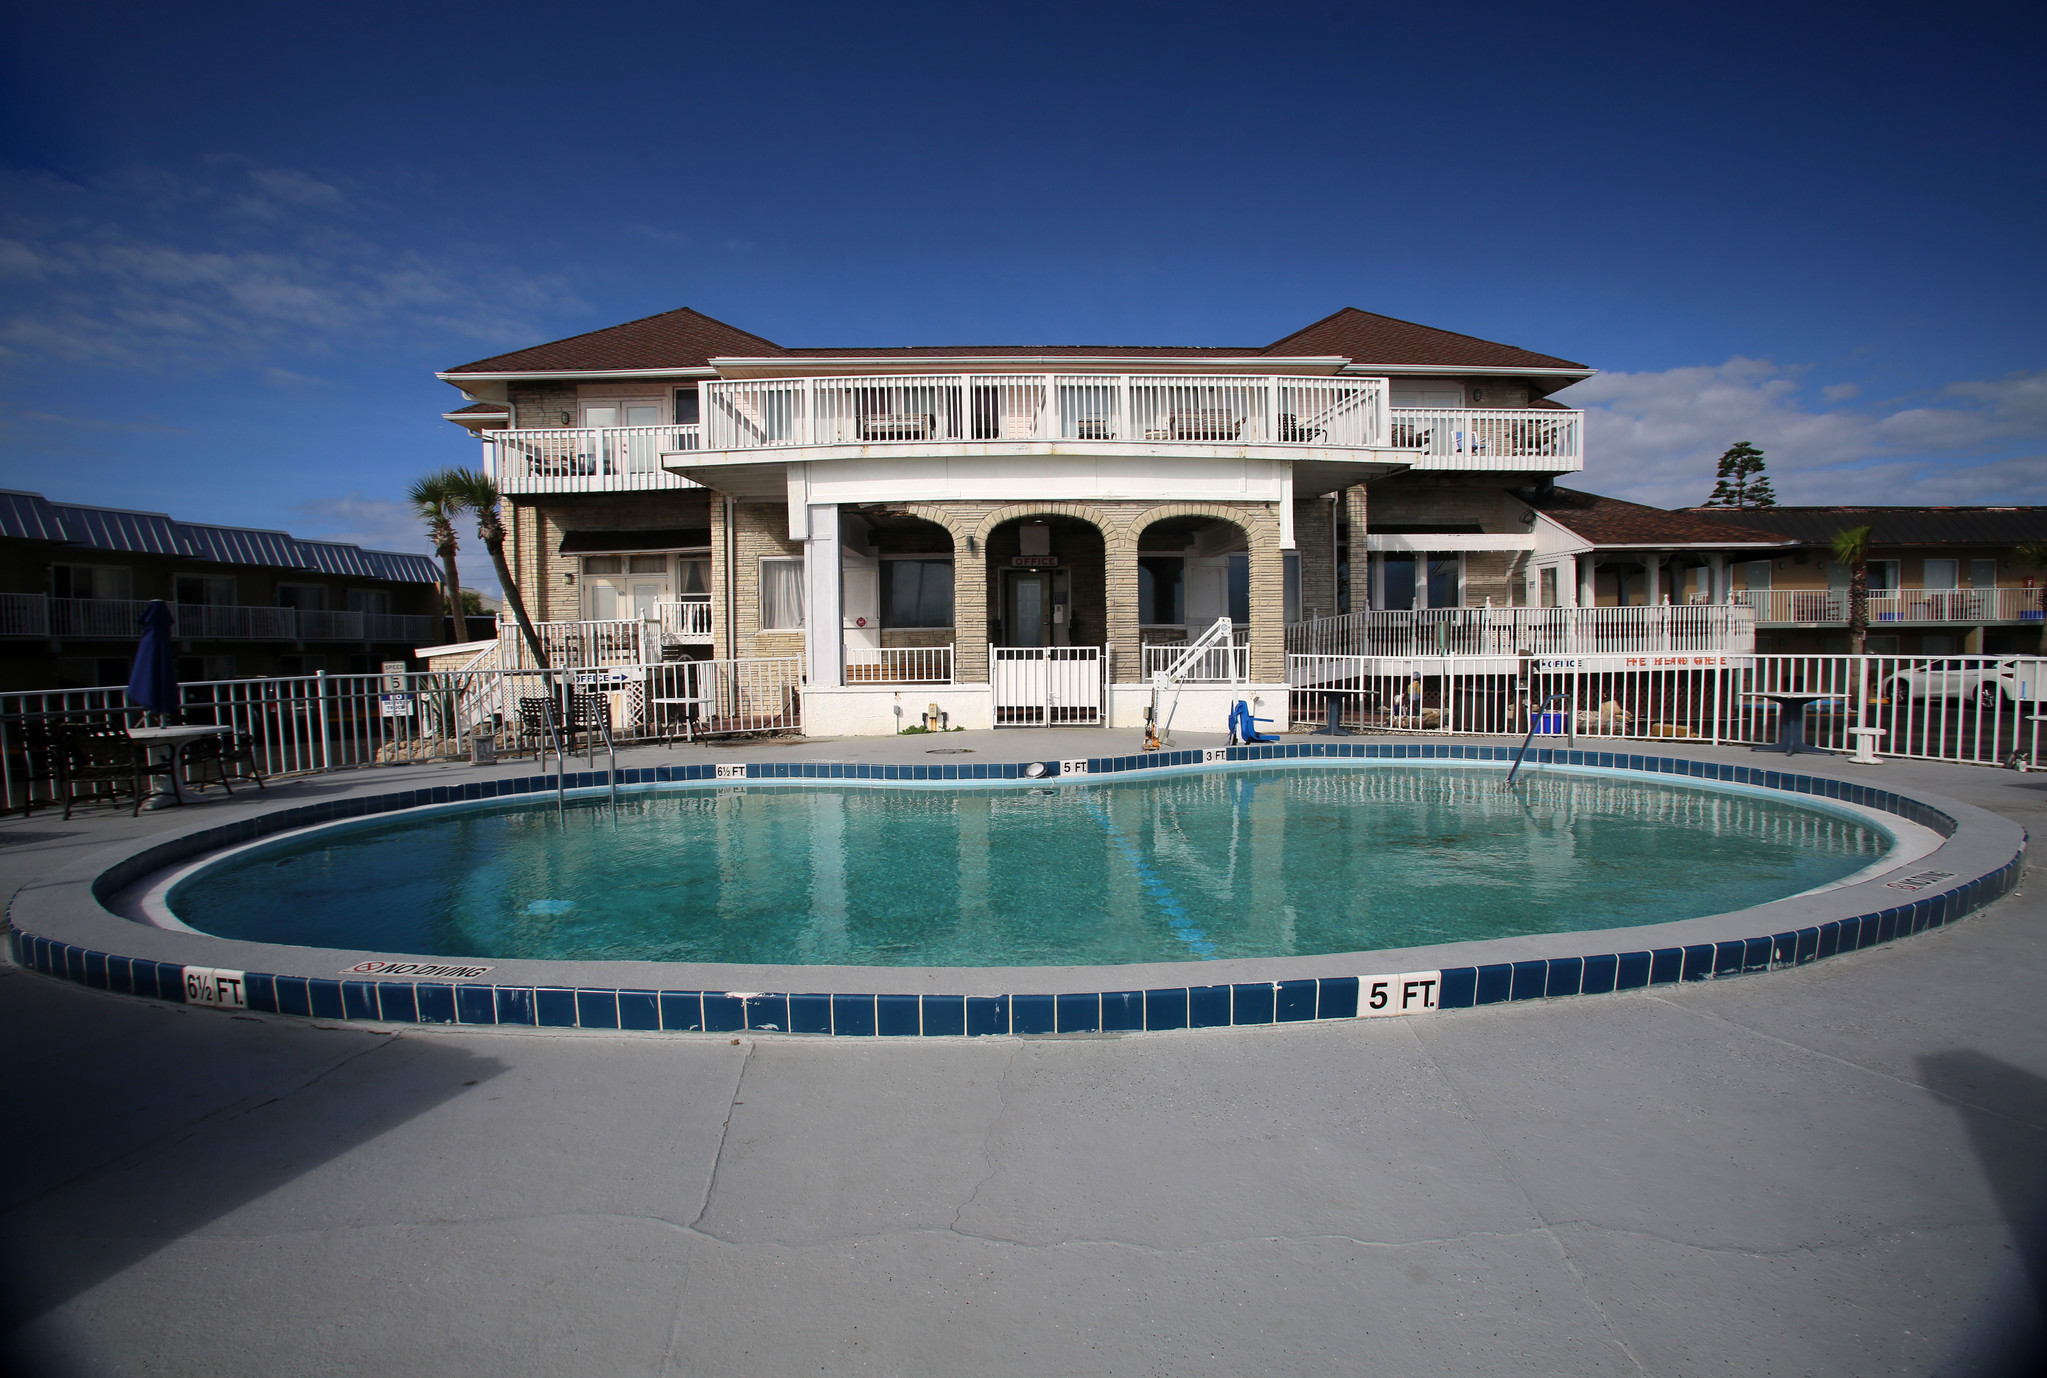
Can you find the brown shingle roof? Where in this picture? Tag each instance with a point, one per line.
(689, 339)
(1365, 338)
(481, 409)
(674, 339)
(1896, 525)
(1608, 521)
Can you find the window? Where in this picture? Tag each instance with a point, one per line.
(1290, 575)
(646, 564)
(207, 590)
(304, 597)
(1982, 574)
(604, 564)
(1881, 645)
(686, 413)
(91, 581)
(1883, 575)
(376, 601)
(1548, 581)
(693, 578)
(1400, 582)
(1756, 575)
(1941, 574)
(781, 595)
(1240, 589)
(1161, 595)
(916, 593)
(1444, 581)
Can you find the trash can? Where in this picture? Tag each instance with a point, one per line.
(1552, 724)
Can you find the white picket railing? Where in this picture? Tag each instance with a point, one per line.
(586, 459)
(309, 723)
(24, 614)
(1528, 631)
(1214, 665)
(760, 413)
(685, 621)
(1829, 606)
(899, 665)
(1979, 710)
(579, 645)
(1490, 437)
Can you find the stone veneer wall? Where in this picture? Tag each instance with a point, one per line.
(760, 529)
(533, 547)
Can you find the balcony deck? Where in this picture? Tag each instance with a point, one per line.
(1897, 607)
(750, 420)
(115, 619)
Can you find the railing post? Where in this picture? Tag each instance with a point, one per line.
(326, 758)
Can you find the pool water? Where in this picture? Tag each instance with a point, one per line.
(1250, 863)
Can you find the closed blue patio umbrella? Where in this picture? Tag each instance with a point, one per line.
(153, 682)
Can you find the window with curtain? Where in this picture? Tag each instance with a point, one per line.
(781, 595)
(916, 593)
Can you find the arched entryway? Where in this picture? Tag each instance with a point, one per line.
(1045, 582)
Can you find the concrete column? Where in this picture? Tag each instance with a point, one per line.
(1268, 606)
(1119, 580)
(824, 644)
(1652, 577)
(1716, 564)
(1363, 593)
(969, 608)
(1588, 570)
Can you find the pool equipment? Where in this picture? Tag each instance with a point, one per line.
(1244, 727)
(1157, 729)
(1535, 720)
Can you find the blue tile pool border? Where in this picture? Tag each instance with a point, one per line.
(1084, 1013)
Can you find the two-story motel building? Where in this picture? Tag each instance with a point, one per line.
(980, 527)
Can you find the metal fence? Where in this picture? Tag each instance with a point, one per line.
(1980, 710)
(331, 722)
(1527, 631)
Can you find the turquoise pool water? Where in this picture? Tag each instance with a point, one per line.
(1251, 863)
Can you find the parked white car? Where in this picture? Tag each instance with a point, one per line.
(1987, 682)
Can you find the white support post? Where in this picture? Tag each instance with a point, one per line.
(824, 639)
(1286, 508)
(1588, 573)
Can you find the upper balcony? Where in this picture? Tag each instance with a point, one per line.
(118, 619)
(1331, 418)
(1925, 607)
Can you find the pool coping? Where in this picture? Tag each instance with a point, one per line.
(61, 927)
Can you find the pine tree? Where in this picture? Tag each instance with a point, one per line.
(1741, 482)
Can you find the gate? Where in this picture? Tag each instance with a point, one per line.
(1047, 686)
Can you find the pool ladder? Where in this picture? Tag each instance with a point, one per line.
(1535, 721)
(587, 713)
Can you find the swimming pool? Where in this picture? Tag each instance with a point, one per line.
(1264, 862)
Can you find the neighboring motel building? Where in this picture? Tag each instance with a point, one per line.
(248, 603)
(973, 519)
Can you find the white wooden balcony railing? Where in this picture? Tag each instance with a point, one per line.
(1829, 607)
(774, 413)
(1292, 414)
(586, 459)
(578, 645)
(1214, 665)
(685, 622)
(899, 665)
(1686, 628)
(115, 619)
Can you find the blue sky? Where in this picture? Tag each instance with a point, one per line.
(236, 241)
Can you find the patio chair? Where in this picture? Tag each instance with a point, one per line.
(92, 756)
(231, 756)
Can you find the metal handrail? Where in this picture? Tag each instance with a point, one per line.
(1533, 719)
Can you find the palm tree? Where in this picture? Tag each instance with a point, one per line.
(1851, 548)
(480, 495)
(438, 499)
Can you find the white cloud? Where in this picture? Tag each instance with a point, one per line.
(381, 524)
(164, 273)
(1655, 437)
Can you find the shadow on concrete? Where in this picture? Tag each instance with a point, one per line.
(201, 1138)
(2004, 1109)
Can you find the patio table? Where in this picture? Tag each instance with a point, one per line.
(1791, 706)
(172, 741)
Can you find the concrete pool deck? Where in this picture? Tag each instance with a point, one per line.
(1836, 1168)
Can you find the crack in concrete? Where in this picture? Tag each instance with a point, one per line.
(694, 1227)
(1840, 1061)
(1613, 1330)
(988, 1137)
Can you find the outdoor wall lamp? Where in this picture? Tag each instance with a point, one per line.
(566, 418)
(568, 578)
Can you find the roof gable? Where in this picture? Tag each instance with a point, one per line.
(681, 338)
(1366, 338)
